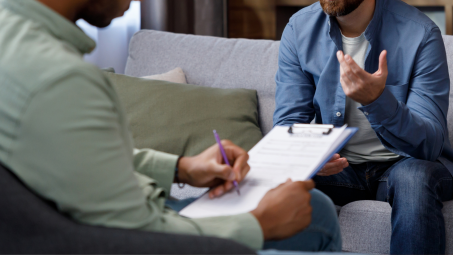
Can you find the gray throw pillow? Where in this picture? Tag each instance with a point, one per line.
(180, 118)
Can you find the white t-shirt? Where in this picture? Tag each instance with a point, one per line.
(365, 145)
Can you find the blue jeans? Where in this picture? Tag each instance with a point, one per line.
(415, 189)
(323, 234)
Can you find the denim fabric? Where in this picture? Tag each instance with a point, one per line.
(323, 234)
(178, 205)
(414, 101)
(414, 188)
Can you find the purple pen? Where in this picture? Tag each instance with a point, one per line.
(225, 158)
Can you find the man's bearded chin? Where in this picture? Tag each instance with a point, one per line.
(337, 8)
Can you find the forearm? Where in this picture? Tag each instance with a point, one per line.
(406, 130)
(159, 166)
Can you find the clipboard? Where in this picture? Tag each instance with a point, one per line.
(310, 129)
(353, 131)
(274, 159)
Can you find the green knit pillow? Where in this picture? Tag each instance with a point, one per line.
(180, 118)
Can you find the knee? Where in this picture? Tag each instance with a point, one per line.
(415, 178)
(322, 203)
(324, 211)
(325, 218)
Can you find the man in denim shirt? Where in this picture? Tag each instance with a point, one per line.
(379, 65)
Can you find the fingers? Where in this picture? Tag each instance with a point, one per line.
(329, 172)
(345, 81)
(336, 164)
(383, 68)
(216, 192)
(355, 68)
(334, 167)
(241, 167)
(309, 185)
(238, 157)
(335, 157)
(341, 59)
(351, 69)
(347, 71)
(223, 172)
(305, 185)
(221, 189)
(219, 156)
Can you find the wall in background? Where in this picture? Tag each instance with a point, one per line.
(253, 19)
(113, 41)
(266, 19)
(200, 17)
(437, 14)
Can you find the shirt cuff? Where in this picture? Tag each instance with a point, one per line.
(381, 109)
(157, 165)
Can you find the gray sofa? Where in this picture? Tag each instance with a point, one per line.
(252, 64)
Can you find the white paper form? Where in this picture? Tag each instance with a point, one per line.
(277, 157)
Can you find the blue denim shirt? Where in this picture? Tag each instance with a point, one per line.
(409, 117)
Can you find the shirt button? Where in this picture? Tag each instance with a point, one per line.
(338, 114)
(366, 113)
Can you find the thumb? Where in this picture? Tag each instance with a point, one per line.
(335, 157)
(309, 185)
(224, 172)
(383, 69)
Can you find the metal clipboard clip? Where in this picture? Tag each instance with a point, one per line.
(309, 130)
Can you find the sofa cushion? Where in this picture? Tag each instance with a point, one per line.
(176, 75)
(210, 62)
(180, 118)
(366, 227)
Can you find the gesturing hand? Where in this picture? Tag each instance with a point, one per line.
(359, 85)
(285, 210)
(334, 166)
(209, 170)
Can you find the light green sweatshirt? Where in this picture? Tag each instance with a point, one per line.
(64, 133)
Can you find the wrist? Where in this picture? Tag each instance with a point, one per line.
(258, 215)
(183, 166)
(372, 100)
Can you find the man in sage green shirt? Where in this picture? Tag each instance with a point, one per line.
(64, 133)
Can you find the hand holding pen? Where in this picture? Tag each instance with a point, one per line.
(225, 158)
(209, 169)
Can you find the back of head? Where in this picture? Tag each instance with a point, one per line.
(99, 13)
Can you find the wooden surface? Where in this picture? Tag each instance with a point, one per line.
(258, 19)
(254, 19)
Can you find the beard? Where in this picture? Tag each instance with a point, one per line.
(338, 8)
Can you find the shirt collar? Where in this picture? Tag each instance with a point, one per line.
(370, 32)
(54, 23)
